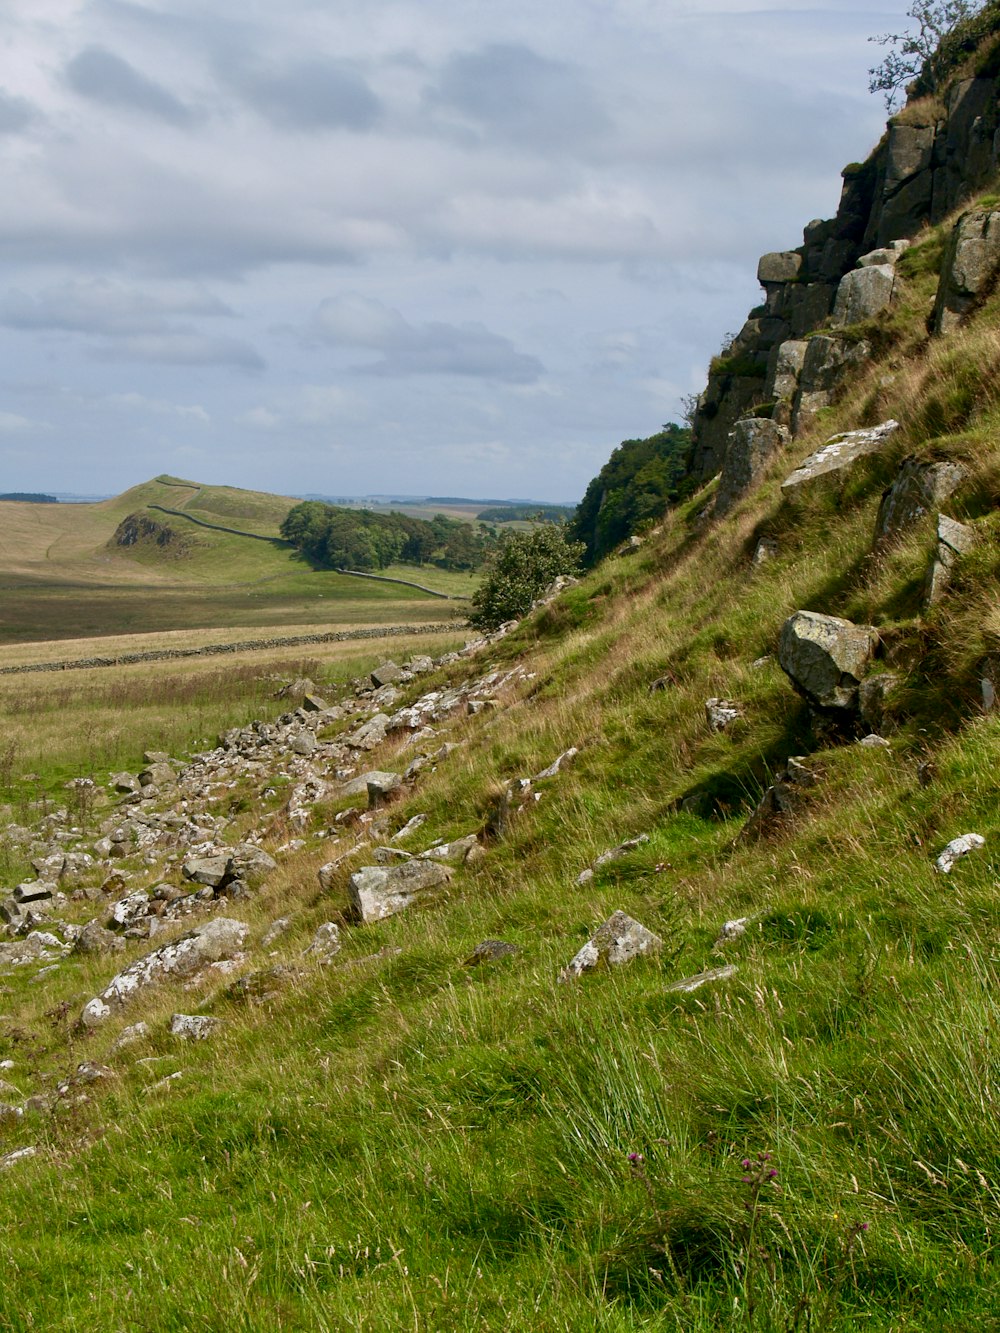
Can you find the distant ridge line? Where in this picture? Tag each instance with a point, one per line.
(244, 645)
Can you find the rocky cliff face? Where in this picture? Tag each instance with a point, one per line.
(792, 353)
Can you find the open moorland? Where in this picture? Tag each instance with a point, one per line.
(64, 576)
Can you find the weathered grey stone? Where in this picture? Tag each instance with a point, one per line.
(953, 540)
(458, 852)
(194, 1027)
(359, 786)
(732, 930)
(703, 978)
(555, 767)
(828, 362)
(785, 367)
(971, 262)
(313, 703)
(862, 294)
(753, 442)
(409, 828)
(419, 665)
(612, 854)
(38, 946)
(128, 910)
(303, 743)
(766, 549)
(125, 782)
(250, 864)
(874, 742)
(381, 788)
(211, 942)
(826, 657)
(618, 941)
(95, 938)
(33, 891)
(325, 943)
(839, 454)
(489, 951)
(918, 490)
(380, 891)
(159, 774)
(888, 254)
(370, 734)
(210, 870)
(130, 1035)
(721, 714)
(874, 694)
(386, 674)
(957, 848)
(780, 266)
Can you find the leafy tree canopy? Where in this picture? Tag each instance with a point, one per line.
(337, 538)
(923, 55)
(521, 567)
(640, 480)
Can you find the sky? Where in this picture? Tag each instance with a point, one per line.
(452, 247)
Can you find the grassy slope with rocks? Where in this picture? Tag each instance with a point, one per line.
(399, 1140)
(395, 1139)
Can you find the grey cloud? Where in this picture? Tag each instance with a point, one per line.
(309, 95)
(184, 349)
(435, 348)
(16, 113)
(100, 306)
(101, 76)
(507, 90)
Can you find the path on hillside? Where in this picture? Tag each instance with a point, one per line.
(242, 646)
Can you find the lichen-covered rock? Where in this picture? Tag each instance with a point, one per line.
(210, 942)
(753, 442)
(360, 785)
(689, 984)
(918, 490)
(721, 714)
(957, 848)
(970, 263)
(826, 657)
(250, 864)
(862, 294)
(325, 943)
(380, 891)
(839, 454)
(828, 362)
(457, 852)
(210, 870)
(618, 941)
(194, 1027)
(489, 951)
(953, 540)
(778, 267)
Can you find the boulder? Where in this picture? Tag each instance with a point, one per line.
(918, 490)
(721, 714)
(839, 455)
(380, 891)
(158, 774)
(359, 786)
(325, 942)
(703, 978)
(124, 782)
(95, 938)
(784, 369)
(194, 1027)
(33, 891)
(953, 540)
(456, 853)
(828, 362)
(753, 442)
(956, 849)
(826, 657)
(779, 266)
(556, 765)
(970, 264)
(210, 870)
(873, 697)
(386, 674)
(381, 788)
(862, 294)
(303, 743)
(210, 942)
(619, 940)
(250, 864)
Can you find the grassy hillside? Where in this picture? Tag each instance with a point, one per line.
(398, 1140)
(63, 575)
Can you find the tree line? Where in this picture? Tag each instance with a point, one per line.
(336, 538)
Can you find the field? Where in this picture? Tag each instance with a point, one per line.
(61, 577)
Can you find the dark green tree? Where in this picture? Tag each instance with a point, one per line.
(522, 566)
